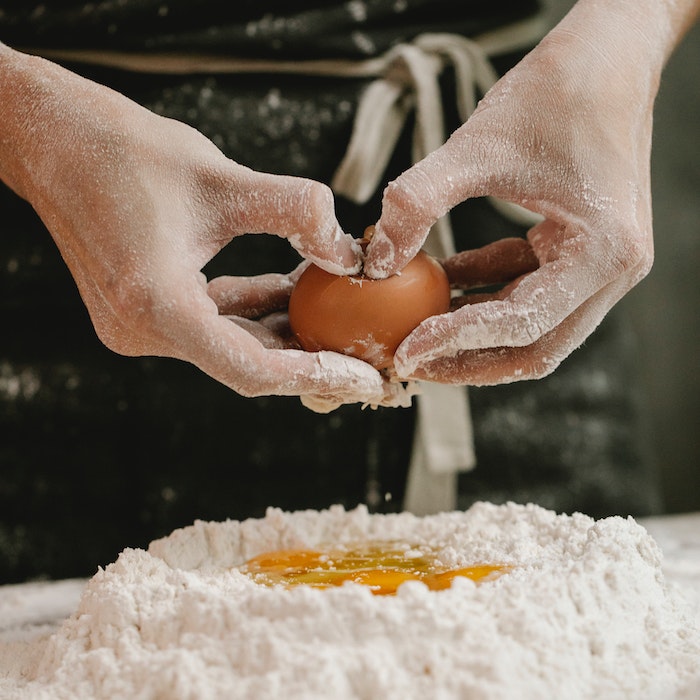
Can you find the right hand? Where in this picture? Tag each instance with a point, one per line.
(566, 133)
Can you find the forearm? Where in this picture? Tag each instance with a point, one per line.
(609, 55)
(657, 26)
(54, 125)
(682, 15)
(19, 79)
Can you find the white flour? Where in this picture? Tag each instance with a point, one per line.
(584, 613)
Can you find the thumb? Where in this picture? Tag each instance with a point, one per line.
(302, 211)
(411, 205)
(420, 196)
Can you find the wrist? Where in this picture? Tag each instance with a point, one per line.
(614, 49)
(651, 29)
(18, 77)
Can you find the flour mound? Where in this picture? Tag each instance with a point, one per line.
(584, 613)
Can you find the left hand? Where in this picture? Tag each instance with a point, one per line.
(567, 133)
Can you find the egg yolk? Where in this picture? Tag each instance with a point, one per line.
(382, 566)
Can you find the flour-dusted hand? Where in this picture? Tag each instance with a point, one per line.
(138, 204)
(567, 134)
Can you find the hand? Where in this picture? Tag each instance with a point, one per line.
(567, 134)
(258, 305)
(138, 204)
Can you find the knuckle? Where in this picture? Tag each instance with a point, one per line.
(110, 337)
(135, 304)
(314, 204)
(399, 195)
(634, 247)
(645, 265)
(412, 197)
(246, 390)
(527, 328)
(115, 337)
(630, 249)
(533, 362)
(264, 381)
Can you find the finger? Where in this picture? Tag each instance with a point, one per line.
(395, 395)
(463, 167)
(266, 334)
(502, 365)
(537, 304)
(183, 322)
(320, 404)
(231, 355)
(480, 297)
(278, 323)
(495, 263)
(250, 297)
(300, 210)
(410, 206)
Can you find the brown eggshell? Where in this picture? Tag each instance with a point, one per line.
(363, 317)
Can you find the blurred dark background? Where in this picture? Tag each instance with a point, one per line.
(665, 307)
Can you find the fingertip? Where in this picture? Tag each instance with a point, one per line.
(337, 253)
(402, 228)
(348, 254)
(349, 371)
(320, 404)
(327, 244)
(380, 255)
(318, 236)
(404, 364)
(391, 249)
(436, 336)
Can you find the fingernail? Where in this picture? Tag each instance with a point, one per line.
(349, 252)
(347, 255)
(404, 366)
(379, 256)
